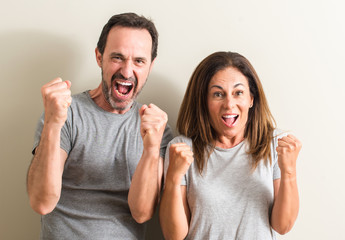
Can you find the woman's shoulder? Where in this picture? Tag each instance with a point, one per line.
(181, 139)
(279, 133)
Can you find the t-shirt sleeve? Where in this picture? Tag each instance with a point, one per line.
(276, 170)
(167, 137)
(65, 139)
(166, 162)
(38, 132)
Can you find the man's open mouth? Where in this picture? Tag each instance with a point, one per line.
(123, 88)
(230, 119)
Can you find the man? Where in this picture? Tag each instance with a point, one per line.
(97, 166)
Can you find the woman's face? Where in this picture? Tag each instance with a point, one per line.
(229, 100)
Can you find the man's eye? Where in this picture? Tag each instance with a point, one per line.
(116, 58)
(140, 61)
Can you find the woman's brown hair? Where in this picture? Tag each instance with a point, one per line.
(194, 120)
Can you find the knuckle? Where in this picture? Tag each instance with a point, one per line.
(165, 117)
(172, 147)
(50, 97)
(157, 128)
(292, 147)
(43, 90)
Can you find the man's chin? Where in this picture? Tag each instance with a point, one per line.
(121, 106)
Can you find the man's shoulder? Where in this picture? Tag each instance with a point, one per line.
(81, 100)
(81, 96)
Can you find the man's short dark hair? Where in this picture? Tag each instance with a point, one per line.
(130, 20)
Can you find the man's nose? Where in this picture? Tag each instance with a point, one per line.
(127, 68)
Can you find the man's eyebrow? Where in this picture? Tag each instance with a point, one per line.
(116, 54)
(141, 58)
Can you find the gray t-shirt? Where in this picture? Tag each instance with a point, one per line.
(229, 201)
(103, 152)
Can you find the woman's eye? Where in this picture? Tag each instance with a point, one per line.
(239, 93)
(218, 94)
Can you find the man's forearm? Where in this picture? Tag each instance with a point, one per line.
(45, 172)
(145, 187)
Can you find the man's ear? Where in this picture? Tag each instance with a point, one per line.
(99, 57)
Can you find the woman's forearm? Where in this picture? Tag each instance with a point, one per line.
(174, 213)
(286, 204)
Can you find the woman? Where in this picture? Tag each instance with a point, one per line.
(230, 174)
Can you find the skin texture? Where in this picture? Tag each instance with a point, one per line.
(45, 172)
(174, 210)
(286, 199)
(126, 58)
(127, 55)
(228, 96)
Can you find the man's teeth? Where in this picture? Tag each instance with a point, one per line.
(124, 83)
(123, 88)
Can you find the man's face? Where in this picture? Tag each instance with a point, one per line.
(126, 64)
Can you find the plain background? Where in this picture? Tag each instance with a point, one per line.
(296, 47)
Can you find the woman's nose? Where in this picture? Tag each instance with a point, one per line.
(228, 102)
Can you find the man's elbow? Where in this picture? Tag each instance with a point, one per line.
(41, 209)
(140, 212)
(43, 206)
(141, 215)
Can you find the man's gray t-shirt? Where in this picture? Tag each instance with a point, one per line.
(103, 152)
(229, 201)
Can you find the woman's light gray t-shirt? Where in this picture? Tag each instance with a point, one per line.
(229, 201)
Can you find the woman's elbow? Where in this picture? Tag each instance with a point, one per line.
(283, 229)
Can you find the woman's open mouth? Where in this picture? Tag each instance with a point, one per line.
(230, 119)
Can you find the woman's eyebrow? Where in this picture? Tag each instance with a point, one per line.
(238, 84)
(216, 86)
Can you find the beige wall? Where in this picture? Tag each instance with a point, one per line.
(295, 46)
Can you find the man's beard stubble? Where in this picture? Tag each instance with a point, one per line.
(108, 94)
